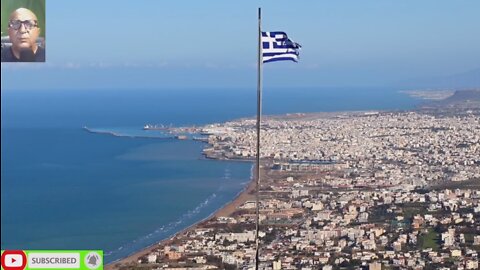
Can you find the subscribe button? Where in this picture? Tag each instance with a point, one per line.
(46, 259)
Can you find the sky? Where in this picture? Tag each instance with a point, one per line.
(213, 44)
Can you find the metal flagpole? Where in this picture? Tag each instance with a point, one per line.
(259, 114)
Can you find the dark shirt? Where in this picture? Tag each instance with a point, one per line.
(8, 56)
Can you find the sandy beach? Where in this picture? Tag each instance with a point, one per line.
(228, 209)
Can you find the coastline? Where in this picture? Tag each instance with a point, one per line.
(226, 210)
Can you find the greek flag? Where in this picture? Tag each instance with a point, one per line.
(276, 46)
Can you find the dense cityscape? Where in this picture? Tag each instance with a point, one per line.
(364, 190)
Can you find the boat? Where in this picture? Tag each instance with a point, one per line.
(181, 137)
(153, 127)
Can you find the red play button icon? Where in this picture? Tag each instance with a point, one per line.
(14, 260)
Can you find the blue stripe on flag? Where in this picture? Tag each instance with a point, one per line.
(280, 59)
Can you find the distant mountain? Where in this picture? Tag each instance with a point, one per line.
(465, 80)
(460, 99)
(464, 95)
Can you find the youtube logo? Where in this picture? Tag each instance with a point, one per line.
(14, 260)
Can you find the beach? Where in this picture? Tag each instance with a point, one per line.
(227, 210)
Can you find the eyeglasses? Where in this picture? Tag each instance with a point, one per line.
(28, 24)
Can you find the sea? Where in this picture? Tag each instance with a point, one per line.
(63, 187)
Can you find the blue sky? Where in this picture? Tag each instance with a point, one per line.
(165, 44)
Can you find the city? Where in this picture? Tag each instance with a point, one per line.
(357, 190)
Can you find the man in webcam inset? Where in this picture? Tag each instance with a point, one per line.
(23, 31)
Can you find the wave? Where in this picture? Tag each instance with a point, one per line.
(161, 233)
(227, 175)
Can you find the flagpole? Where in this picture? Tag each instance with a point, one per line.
(259, 115)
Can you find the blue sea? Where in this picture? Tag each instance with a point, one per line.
(65, 188)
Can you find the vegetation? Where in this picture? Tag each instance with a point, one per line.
(412, 209)
(429, 240)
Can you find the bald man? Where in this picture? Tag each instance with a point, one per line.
(23, 31)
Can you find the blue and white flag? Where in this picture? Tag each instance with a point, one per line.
(276, 46)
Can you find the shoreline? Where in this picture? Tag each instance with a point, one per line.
(230, 207)
(226, 210)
